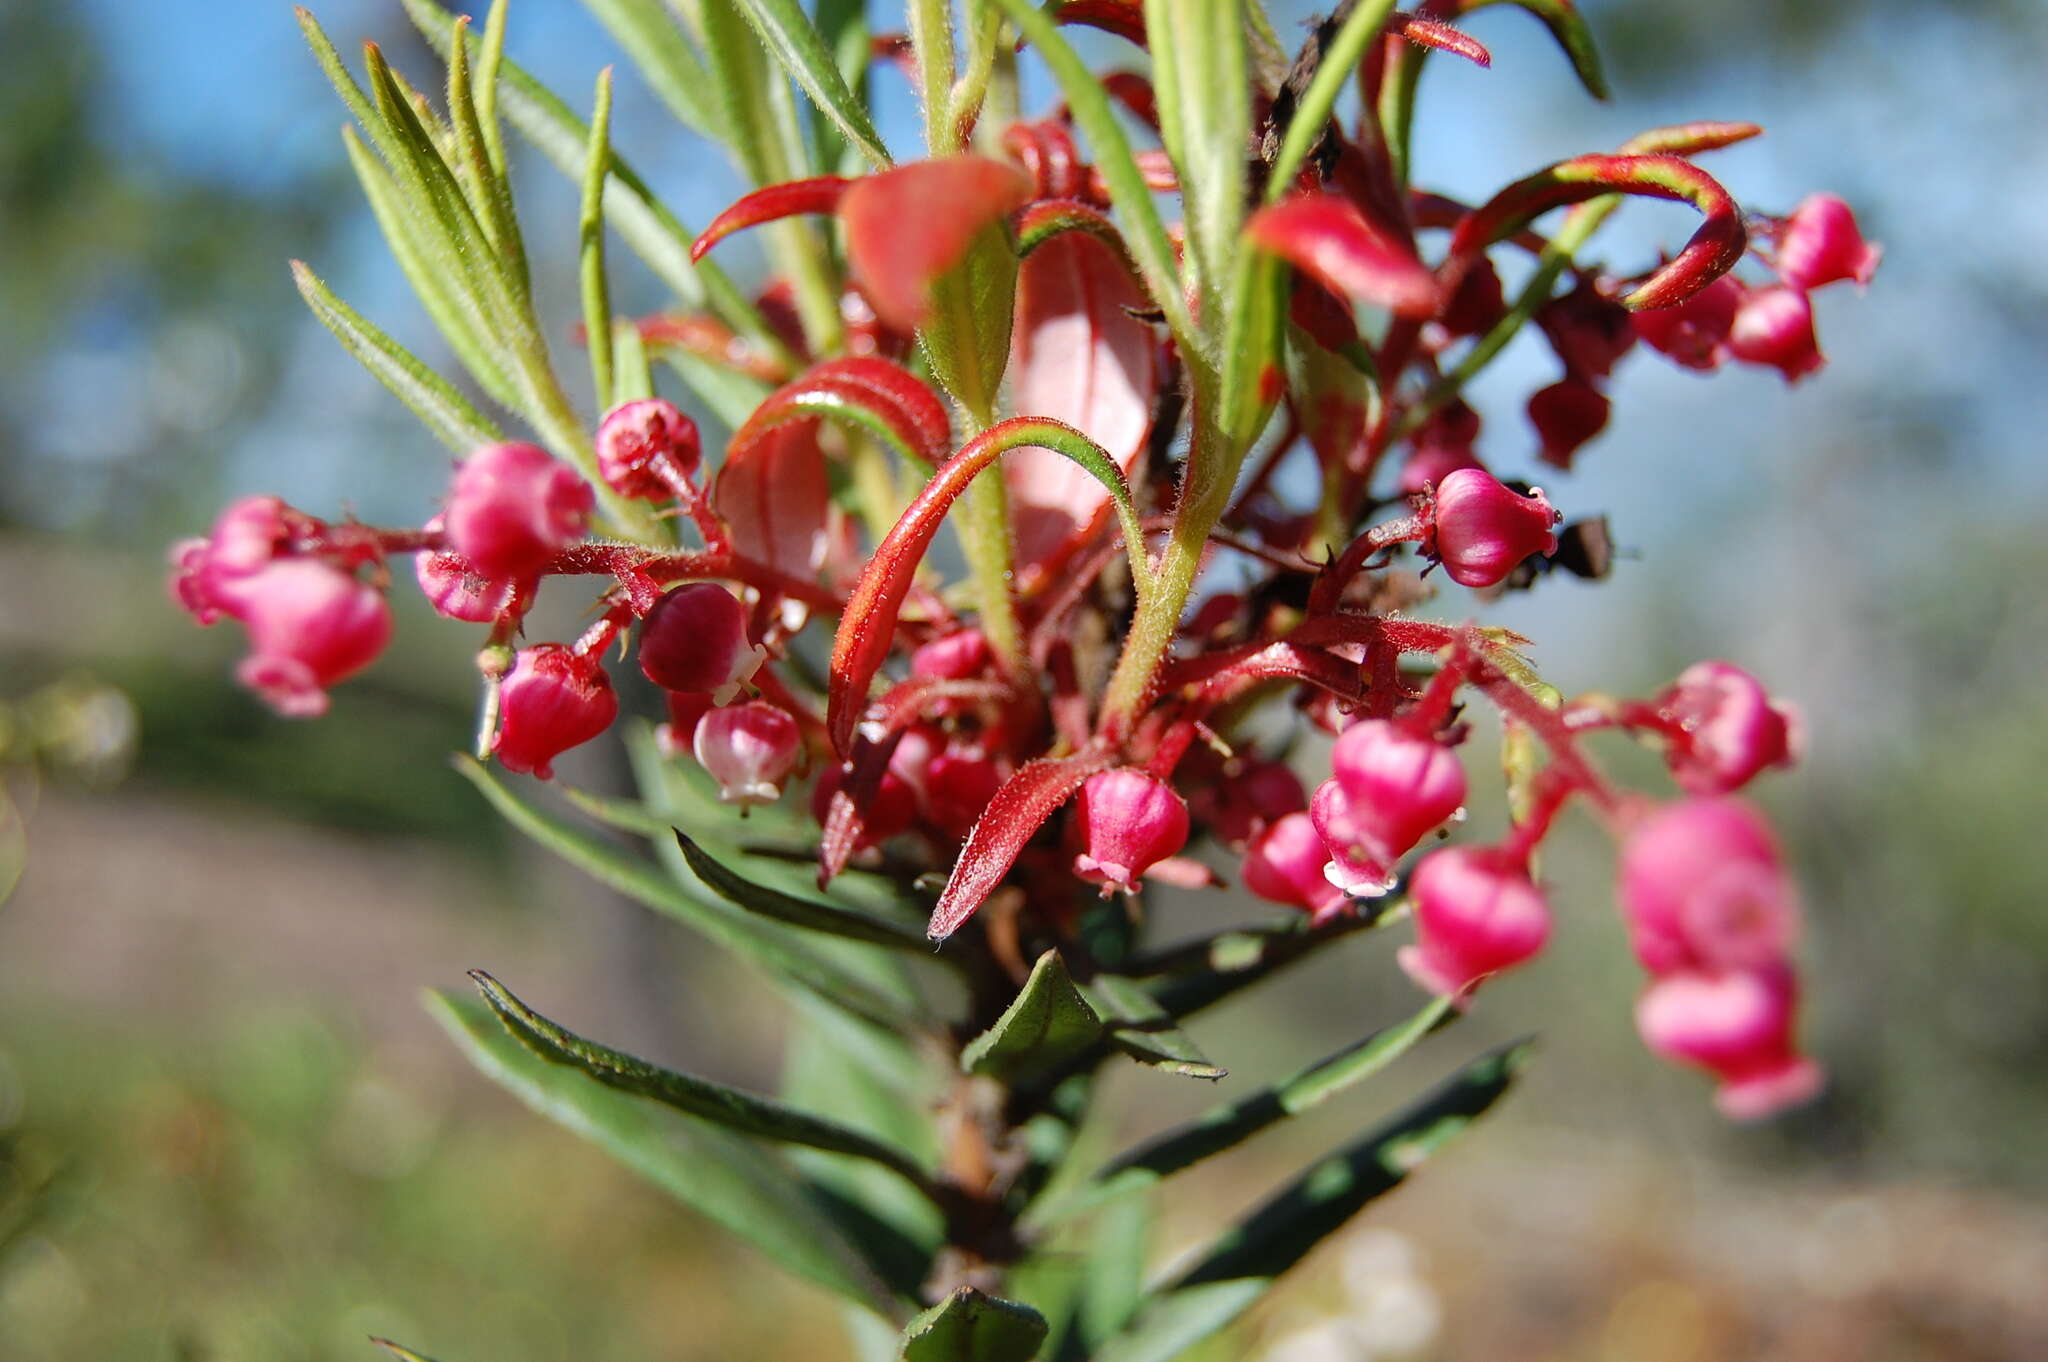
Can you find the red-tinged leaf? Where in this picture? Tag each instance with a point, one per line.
(867, 627)
(1327, 238)
(770, 202)
(1135, 93)
(1042, 221)
(1011, 819)
(908, 225)
(1046, 151)
(774, 496)
(1429, 33)
(713, 341)
(1565, 23)
(1689, 139)
(1124, 18)
(870, 393)
(845, 820)
(1078, 356)
(1712, 252)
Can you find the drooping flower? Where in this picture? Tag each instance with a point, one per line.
(1484, 529)
(553, 699)
(1774, 328)
(1736, 1025)
(1567, 414)
(458, 592)
(749, 750)
(1821, 243)
(1589, 331)
(645, 446)
(310, 625)
(247, 535)
(1693, 334)
(513, 507)
(1702, 887)
(1284, 864)
(1353, 864)
(1730, 729)
(695, 639)
(1476, 913)
(1399, 785)
(1129, 821)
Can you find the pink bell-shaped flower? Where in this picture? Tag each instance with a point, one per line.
(1774, 328)
(686, 708)
(749, 750)
(643, 446)
(457, 592)
(959, 782)
(310, 625)
(1399, 785)
(1736, 1025)
(1693, 334)
(1284, 864)
(1702, 888)
(1353, 865)
(1821, 243)
(1239, 804)
(1730, 729)
(513, 507)
(553, 699)
(1129, 821)
(1476, 913)
(695, 639)
(1567, 414)
(959, 656)
(247, 536)
(1484, 529)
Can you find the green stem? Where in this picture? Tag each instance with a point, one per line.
(931, 38)
(983, 523)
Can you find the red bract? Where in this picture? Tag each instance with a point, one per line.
(310, 625)
(1774, 327)
(645, 448)
(1727, 728)
(1284, 863)
(907, 226)
(1129, 821)
(1399, 786)
(1566, 415)
(1702, 888)
(1476, 914)
(1738, 1026)
(1484, 529)
(695, 639)
(513, 507)
(749, 750)
(1694, 333)
(553, 699)
(1330, 240)
(1821, 243)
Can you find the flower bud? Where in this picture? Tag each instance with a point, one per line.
(247, 536)
(1731, 730)
(686, 708)
(1566, 415)
(1284, 864)
(1129, 821)
(553, 700)
(1821, 243)
(1589, 331)
(959, 656)
(1693, 333)
(1399, 786)
(513, 507)
(310, 625)
(1774, 328)
(1430, 462)
(1352, 864)
(639, 442)
(695, 639)
(1702, 888)
(1737, 1026)
(1240, 803)
(749, 750)
(1476, 914)
(1484, 529)
(456, 592)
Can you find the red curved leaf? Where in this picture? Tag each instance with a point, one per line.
(1077, 355)
(775, 498)
(1689, 139)
(1011, 819)
(1429, 33)
(1125, 18)
(908, 225)
(1713, 250)
(1327, 238)
(862, 390)
(769, 203)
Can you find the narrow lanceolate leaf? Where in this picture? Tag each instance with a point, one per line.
(654, 40)
(1229, 1125)
(972, 1326)
(597, 298)
(1142, 1029)
(788, 32)
(797, 912)
(744, 1112)
(1244, 1262)
(729, 1181)
(1567, 25)
(780, 954)
(1016, 813)
(446, 412)
(1713, 250)
(1326, 237)
(908, 226)
(1046, 1024)
(1204, 97)
(772, 203)
(867, 628)
(1689, 139)
(400, 1351)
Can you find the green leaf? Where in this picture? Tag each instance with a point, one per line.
(1573, 34)
(700, 1097)
(651, 37)
(1219, 967)
(1118, 1243)
(446, 412)
(801, 970)
(714, 1172)
(1047, 1023)
(788, 32)
(806, 913)
(967, 334)
(597, 298)
(400, 1351)
(1199, 76)
(972, 1326)
(1092, 113)
(1141, 1028)
(1252, 382)
(1245, 1260)
(490, 191)
(1231, 1124)
(1312, 111)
